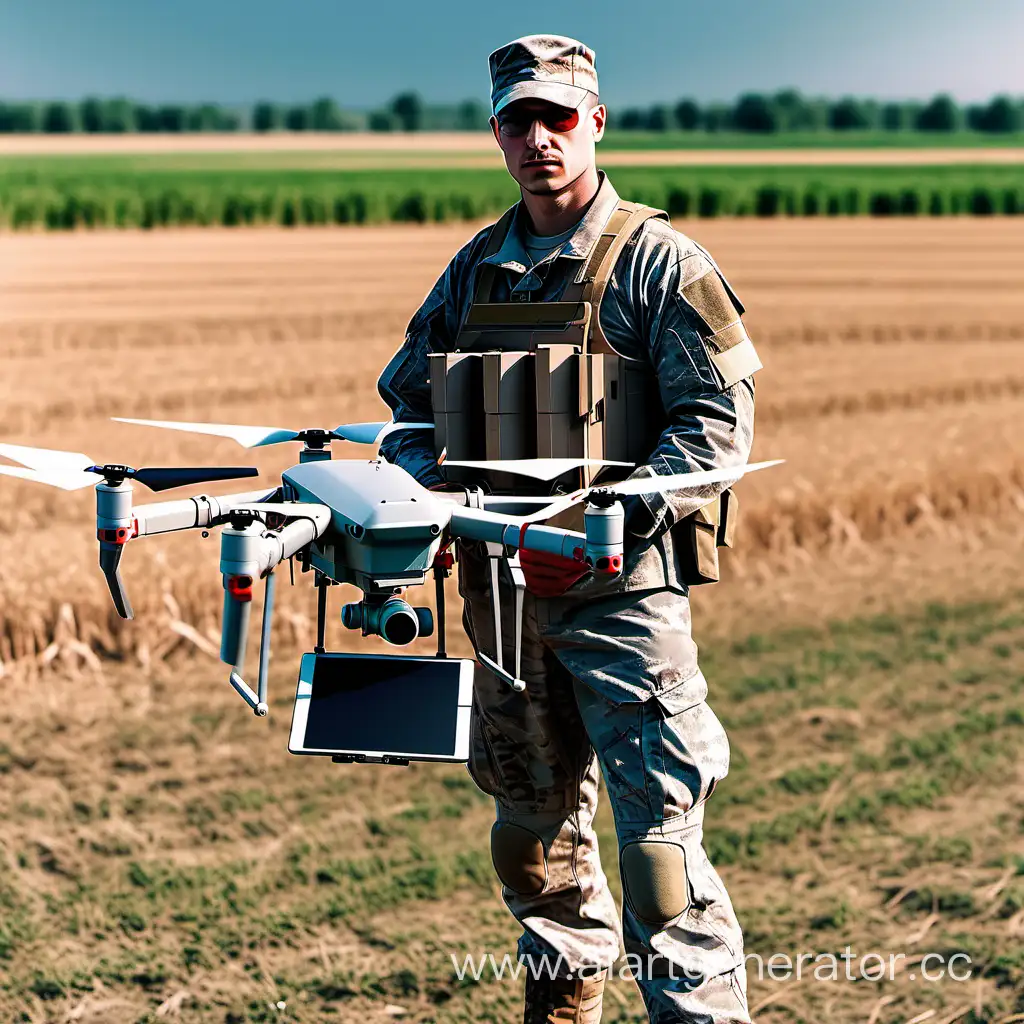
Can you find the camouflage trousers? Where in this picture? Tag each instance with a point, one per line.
(613, 690)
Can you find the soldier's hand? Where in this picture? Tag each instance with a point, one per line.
(638, 519)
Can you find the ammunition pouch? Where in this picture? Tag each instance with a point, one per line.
(698, 537)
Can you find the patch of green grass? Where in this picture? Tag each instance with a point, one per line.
(809, 778)
(928, 849)
(839, 769)
(949, 902)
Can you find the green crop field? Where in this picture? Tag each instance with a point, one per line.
(127, 192)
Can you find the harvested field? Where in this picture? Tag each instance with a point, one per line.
(163, 857)
(890, 389)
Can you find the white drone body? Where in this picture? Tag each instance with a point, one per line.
(363, 522)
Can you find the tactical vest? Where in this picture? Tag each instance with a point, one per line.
(540, 379)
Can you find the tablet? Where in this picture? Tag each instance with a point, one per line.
(382, 708)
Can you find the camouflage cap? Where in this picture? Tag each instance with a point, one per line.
(553, 68)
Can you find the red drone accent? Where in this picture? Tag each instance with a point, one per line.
(121, 535)
(240, 588)
(549, 575)
(444, 560)
(609, 565)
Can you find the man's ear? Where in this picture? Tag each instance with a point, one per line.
(493, 122)
(600, 115)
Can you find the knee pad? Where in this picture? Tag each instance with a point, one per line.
(654, 880)
(519, 859)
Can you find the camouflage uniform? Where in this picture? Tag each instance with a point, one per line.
(612, 682)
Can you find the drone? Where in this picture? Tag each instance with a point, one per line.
(365, 522)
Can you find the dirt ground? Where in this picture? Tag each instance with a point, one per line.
(161, 857)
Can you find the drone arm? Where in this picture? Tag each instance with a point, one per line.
(189, 513)
(477, 524)
(295, 536)
(166, 517)
(254, 551)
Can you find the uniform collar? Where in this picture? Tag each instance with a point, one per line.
(512, 254)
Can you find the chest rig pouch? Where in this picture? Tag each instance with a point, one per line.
(540, 380)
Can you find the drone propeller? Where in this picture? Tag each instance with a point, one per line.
(72, 471)
(45, 458)
(651, 485)
(257, 437)
(21, 472)
(539, 469)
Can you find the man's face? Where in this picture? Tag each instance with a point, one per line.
(547, 147)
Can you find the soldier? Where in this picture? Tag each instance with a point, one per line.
(613, 688)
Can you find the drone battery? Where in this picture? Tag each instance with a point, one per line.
(559, 426)
(509, 405)
(456, 392)
(626, 388)
(383, 709)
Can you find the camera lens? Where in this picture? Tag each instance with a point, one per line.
(398, 623)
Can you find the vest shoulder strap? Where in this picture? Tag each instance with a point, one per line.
(485, 271)
(624, 222)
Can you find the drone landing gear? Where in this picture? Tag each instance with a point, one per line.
(494, 553)
(443, 562)
(257, 701)
(322, 583)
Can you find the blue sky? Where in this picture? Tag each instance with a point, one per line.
(363, 53)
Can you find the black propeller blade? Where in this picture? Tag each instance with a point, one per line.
(164, 479)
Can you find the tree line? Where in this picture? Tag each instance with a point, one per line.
(755, 113)
(117, 115)
(789, 111)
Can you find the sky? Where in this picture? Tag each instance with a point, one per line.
(239, 51)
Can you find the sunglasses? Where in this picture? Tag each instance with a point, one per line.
(556, 119)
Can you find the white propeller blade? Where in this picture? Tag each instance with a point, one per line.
(360, 433)
(49, 466)
(46, 459)
(258, 436)
(73, 480)
(653, 485)
(20, 472)
(684, 481)
(374, 433)
(540, 469)
(247, 437)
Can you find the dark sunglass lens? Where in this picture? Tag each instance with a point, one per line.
(517, 125)
(513, 126)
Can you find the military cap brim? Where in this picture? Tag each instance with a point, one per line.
(554, 92)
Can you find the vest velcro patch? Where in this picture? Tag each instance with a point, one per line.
(732, 351)
(526, 314)
(707, 295)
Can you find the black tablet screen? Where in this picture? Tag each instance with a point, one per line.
(368, 704)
